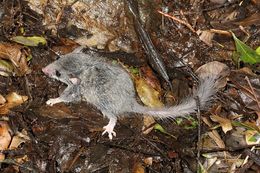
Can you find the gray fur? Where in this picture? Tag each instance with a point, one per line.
(110, 88)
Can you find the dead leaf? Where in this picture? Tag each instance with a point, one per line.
(2, 100)
(224, 123)
(206, 36)
(214, 68)
(18, 139)
(67, 46)
(15, 54)
(252, 137)
(5, 137)
(138, 168)
(150, 97)
(6, 68)
(30, 41)
(217, 139)
(150, 78)
(13, 99)
(148, 161)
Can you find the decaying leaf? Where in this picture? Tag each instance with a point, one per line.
(150, 97)
(206, 36)
(13, 99)
(138, 168)
(224, 123)
(6, 68)
(5, 137)
(29, 41)
(14, 54)
(18, 139)
(214, 68)
(217, 139)
(252, 137)
(247, 54)
(2, 100)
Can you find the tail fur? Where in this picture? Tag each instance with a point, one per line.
(205, 91)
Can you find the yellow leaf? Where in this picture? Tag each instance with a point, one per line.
(224, 123)
(148, 95)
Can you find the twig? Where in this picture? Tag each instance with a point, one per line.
(178, 20)
(218, 31)
(28, 91)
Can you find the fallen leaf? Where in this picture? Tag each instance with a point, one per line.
(5, 137)
(214, 68)
(217, 139)
(6, 68)
(13, 99)
(16, 56)
(138, 168)
(148, 161)
(252, 137)
(224, 123)
(150, 97)
(29, 41)
(206, 36)
(2, 100)
(150, 78)
(18, 139)
(247, 54)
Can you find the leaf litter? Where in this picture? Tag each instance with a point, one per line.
(65, 137)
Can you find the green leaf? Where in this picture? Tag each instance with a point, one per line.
(159, 128)
(29, 41)
(6, 68)
(247, 55)
(257, 50)
(134, 70)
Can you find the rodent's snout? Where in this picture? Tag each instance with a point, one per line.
(48, 71)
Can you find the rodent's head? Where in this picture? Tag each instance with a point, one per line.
(55, 71)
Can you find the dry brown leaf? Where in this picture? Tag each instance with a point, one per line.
(148, 95)
(214, 68)
(5, 137)
(148, 161)
(19, 138)
(150, 78)
(206, 36)
(217, 139)
(13, 99)
(138, 168)
(2, 100)
(14, 53)
(224, 123)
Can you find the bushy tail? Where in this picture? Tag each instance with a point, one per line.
(205, 91)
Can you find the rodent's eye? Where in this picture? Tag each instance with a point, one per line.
(57, 73)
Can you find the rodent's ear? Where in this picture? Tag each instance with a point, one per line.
(78, 49)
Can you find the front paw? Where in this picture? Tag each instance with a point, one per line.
(51, 102)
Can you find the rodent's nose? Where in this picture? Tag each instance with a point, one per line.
(47, 71)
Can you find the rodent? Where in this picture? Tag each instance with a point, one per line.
(93, 78)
